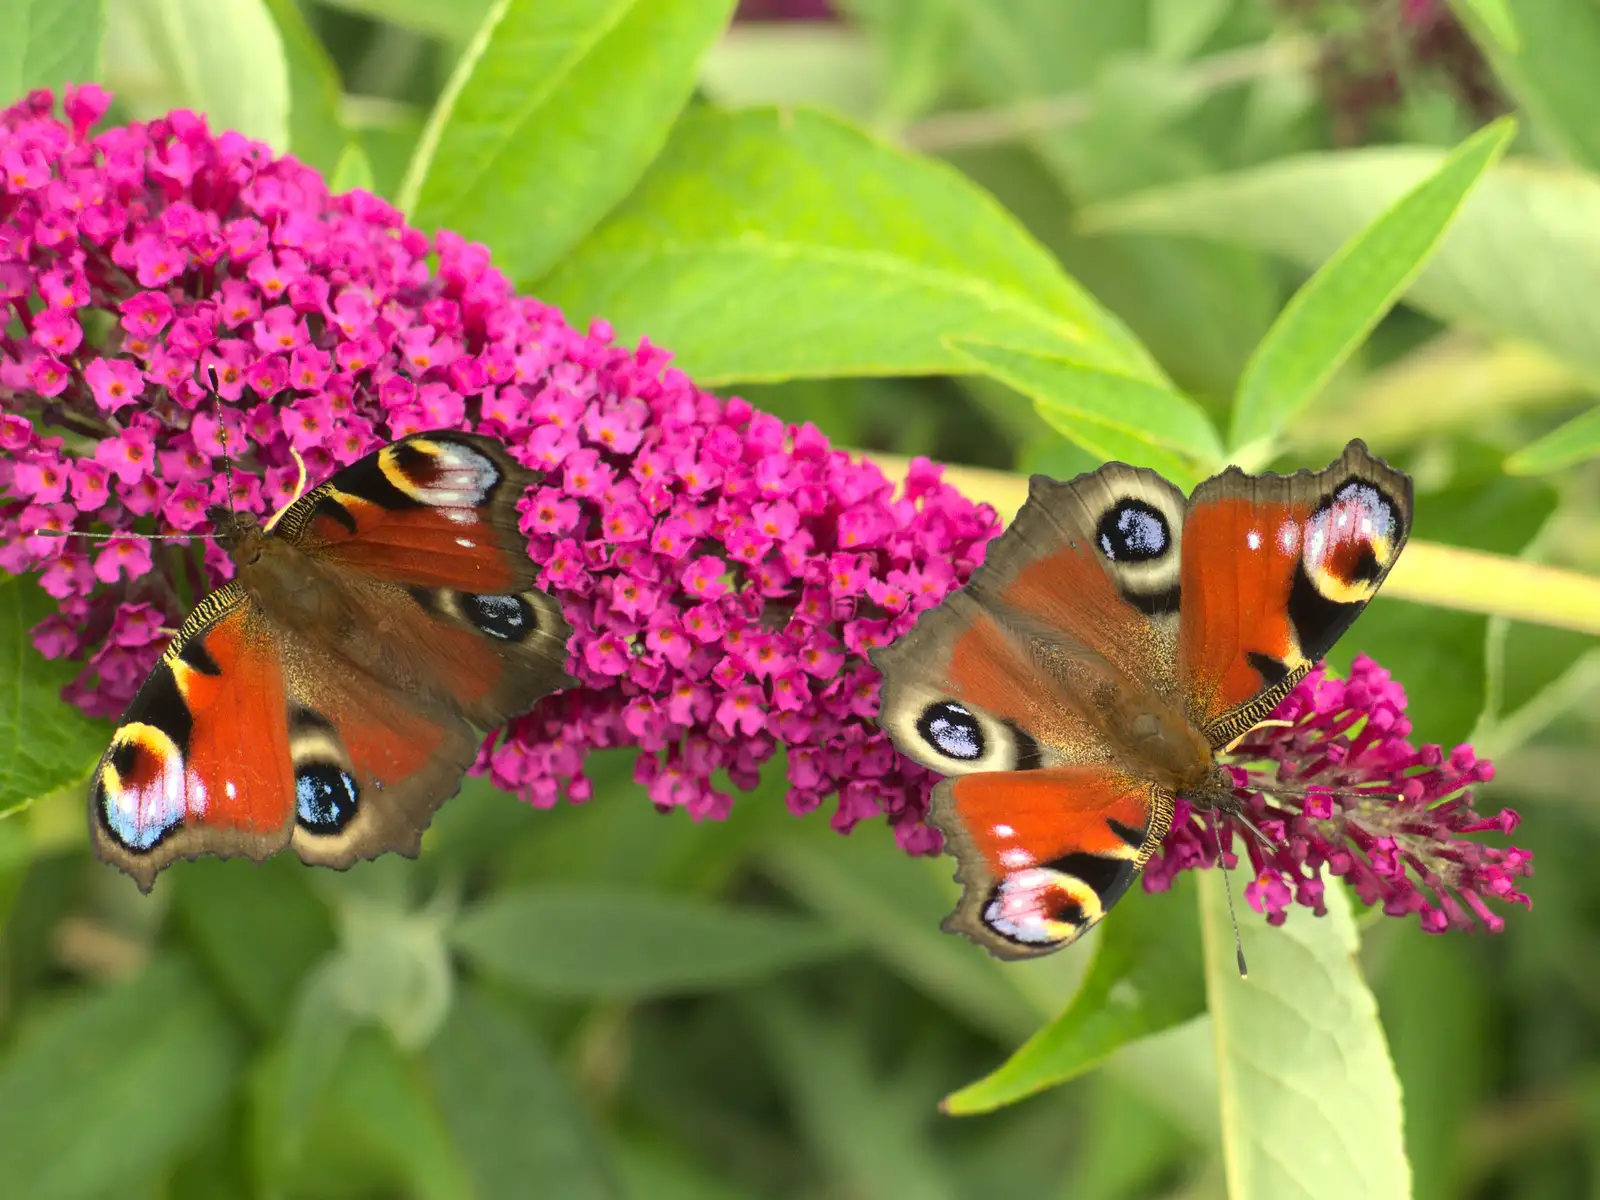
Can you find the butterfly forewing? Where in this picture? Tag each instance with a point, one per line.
(1275, 568)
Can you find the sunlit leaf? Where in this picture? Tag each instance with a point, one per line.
(1574, 442)
(1109, 415)
(554, 110)
(1521, 260)
(316, 133)
(776, 244)
(45, 744)
(1146, 977)
(48, 43)
(1309, 1100)
(1332, 314)
(224, 60)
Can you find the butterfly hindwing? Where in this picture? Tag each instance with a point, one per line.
(370, 766)
(1042, 855)
(200, 763)
(1275, 568)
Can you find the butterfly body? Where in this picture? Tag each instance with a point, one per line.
(1118, 637)
(327, 697)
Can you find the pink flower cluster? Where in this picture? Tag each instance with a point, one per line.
(724, 574)
(1332, 782)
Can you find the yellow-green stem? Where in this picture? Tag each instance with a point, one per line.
(1427, 573)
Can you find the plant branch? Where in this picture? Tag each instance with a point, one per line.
(1427, 573)
(988, 126)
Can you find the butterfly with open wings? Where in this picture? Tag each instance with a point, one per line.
(327, 698)
(1116, 639)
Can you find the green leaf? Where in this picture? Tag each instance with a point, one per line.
(377, 1130)
(825, 63)
(1574, 442)
(1179, 28)
(554, 111)
(865, 884)
(224, 60)
(772, 244)
(257, 927)
(1309, 1100)
(1551, 73)
(619, 943)
(1332, 314)
(867, 1126)
(354, 171)
(45, 744)
(1146, 977)
(452, 19)
(509, 1111)
(1521, 261)
(318, 1028)
(1437, 1014)
(47, 43)
(1112, 416)
(316, 134)
(1494, 18)
(111, 1087)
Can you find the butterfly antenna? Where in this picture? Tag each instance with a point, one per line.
(124, 533)
(222, 436)
(299, 490)
(1227, 890)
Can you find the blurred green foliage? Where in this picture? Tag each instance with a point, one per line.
(1021, 234)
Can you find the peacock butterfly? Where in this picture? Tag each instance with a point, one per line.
(1116, 638)
(326, 697)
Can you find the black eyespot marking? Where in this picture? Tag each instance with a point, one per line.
(1317, 620)
(159, 702)
(1130, 835)
(325, 797)
(1028, 757)
(1132, 531)
(1070, 913)
(1155, 604)
(509, 618)
(194, 655)
(1109, 877)
(1270, 669)
(952, 731)
(335, 512)
(365, 478)
(427, 599)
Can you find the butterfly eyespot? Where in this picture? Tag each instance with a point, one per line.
(1132, 531)
(509, 618)
(140, 789)
(326, 797)
(1041, 907)
(952, 731)
(1349, 541)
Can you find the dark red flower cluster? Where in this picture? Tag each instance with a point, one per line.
(724, 574)
(1332, 782)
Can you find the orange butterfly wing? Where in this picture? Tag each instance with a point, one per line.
(1274, 570)
(200, 763)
